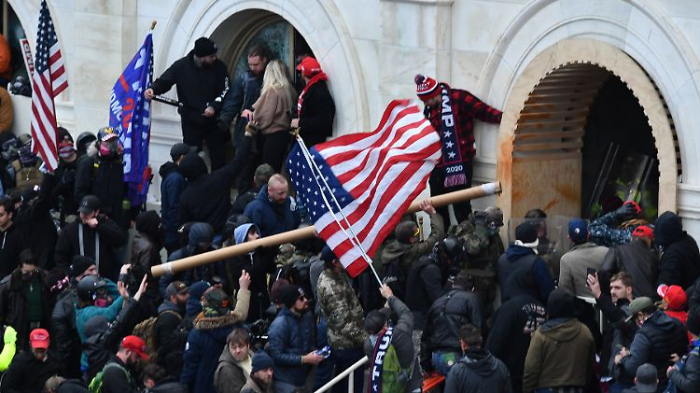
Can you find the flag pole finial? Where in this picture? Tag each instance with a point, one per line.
(153, 24)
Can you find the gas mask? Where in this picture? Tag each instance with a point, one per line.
(111, 148)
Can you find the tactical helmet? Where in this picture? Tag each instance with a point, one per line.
(88, 286)
(450, 251)
(84, 139)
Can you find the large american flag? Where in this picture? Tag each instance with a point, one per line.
(374, 176)
(49, 80)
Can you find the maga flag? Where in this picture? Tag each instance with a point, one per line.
(130, 115)
(373, 176)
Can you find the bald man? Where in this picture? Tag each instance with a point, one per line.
(273, 211)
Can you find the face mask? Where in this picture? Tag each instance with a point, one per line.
(27, 276)
(110, 148)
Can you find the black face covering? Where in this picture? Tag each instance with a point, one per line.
(27, 276)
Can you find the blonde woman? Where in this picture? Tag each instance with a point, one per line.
(272, 113)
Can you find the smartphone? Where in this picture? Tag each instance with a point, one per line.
(590, 272)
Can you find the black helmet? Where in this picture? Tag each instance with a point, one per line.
(84, 139)
(450, 251)
(88, 286)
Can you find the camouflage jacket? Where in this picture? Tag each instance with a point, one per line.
(482, 250)
(342, 310)
(605, 232)
(409, 253)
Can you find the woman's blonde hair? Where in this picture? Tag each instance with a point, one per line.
(277, 76)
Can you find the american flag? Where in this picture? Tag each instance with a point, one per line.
(374, 176)
(49, 80)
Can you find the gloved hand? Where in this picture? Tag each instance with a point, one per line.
(10, 336)
(625, 211)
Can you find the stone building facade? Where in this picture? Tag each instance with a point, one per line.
(542, 62)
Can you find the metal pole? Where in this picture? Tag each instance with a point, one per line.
(342, 375)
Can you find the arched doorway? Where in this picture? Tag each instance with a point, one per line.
(543, 136)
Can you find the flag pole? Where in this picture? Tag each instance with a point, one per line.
(307, 232)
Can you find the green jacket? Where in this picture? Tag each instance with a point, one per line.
(409, 253)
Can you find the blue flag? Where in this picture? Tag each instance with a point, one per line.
(130, 115)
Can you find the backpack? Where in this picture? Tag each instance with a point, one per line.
(394, 378)
(27, 177)
(96, 383)
(146, 330)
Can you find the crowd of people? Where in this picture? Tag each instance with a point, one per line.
(81, 310)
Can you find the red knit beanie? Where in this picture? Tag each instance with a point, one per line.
(426, 87)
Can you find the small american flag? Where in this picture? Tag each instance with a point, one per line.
(49, 80)
(374, 176)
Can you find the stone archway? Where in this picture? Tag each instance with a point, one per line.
(318, 21)
(568, 63)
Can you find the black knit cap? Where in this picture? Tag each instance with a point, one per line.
(561, 304)
(289, 295)
(527, 232)
(204, 47)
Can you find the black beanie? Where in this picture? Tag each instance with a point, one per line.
(561, 304)
(289, 295)
(79, 264)
(527, 232)
(204, 47)
(261, 361)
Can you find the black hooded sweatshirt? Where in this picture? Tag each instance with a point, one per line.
(207, 197)
(515, 322)
(680, 261)
(477, 372)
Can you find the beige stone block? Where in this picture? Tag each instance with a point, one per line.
(467, 68)
(478, 25)
(107, 7)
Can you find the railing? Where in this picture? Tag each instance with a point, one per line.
(344, 374)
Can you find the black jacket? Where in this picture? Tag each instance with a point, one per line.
(111, 237)
(638, 261)
(687, 380)
(197, 87)
(478, 372)
(317, 113)
(168, 385)
(426, 282)
(64, 332)
(72, 386)
(118, 379)
(104, 178)
(445, 317)
(515, 322)
(244, 91)
(37, 225)
(680, 261)
(171, 186)
(207, 197)
(28, 375)
(169, 317)
(63, 197)
(13, 304)
(615, 331)
(12, 242)
(655, 342)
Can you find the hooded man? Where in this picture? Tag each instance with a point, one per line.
(258, 264)
(207, 197)
(62, 197)
(202, 82)
(200, 240)
(145, 253)
(478, 371)
(171, 186)
(522, 254)
(452, 112)
(680, 259)
(514, 323)
(562, 351)
(211, 327)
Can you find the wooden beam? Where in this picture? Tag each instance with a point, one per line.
(547, 146)
(549, 135)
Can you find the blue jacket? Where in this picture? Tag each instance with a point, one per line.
(204, 345)
(172, 185)
(270, 218)
(290, 337)
(84, 314)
